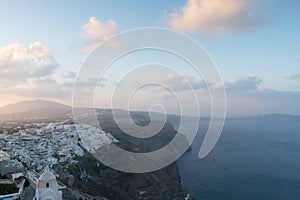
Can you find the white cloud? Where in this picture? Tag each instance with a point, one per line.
(245, 84)
(28, 71)
(249, 96)
(46, 87)
(213, 17)
(96, 31)
(181, 83)
(18, 63)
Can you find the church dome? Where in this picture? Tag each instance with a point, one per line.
(47, 175)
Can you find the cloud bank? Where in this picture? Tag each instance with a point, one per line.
(247, 96)
(29, 71)
(18, 63)
(214, 17)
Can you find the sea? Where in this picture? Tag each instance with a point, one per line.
(254, 159)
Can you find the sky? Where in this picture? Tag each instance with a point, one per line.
(253, 43)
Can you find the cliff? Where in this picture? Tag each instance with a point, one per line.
(92, 177)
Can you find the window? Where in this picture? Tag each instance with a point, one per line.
(47, 185)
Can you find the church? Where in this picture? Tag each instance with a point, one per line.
(47, 187)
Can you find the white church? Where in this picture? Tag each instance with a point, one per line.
(47, 187)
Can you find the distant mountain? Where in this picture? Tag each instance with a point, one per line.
(269, 116)
(278, 116)
(35, 109)
(26, 106)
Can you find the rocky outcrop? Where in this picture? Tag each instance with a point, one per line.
(92, 177)
(95, 179)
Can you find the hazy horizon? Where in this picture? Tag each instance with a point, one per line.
(204, 116)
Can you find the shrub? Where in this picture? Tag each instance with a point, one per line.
(8, 189)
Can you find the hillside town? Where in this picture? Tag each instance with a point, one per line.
(31, 151)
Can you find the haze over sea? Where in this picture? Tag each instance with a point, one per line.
(253, 159)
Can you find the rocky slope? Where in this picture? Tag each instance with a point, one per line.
(92, 177)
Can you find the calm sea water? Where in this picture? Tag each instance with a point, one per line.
(253, 159)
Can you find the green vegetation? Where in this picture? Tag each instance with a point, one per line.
(8, 189)
(2, 176)
(27, 183)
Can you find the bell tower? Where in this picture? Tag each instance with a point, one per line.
(47, 187)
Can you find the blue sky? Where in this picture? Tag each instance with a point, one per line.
(254, 42)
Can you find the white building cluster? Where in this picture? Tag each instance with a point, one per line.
(53, 143)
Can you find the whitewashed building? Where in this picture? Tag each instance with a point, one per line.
(47, 187)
